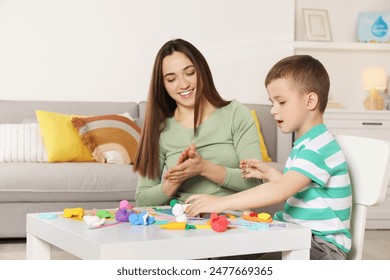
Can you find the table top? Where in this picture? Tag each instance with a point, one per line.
(125, 241)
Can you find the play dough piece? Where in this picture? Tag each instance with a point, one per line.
(122, 215)
(262, 217)
(47, 216)
(125, 204)
(265, 217)
(73, 212)
(174, 225)
(219, 223)
(203, 226)
(178, 210)
(142, 218)
(104, 214)
(93, 221)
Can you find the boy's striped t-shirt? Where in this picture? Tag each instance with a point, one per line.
(325, 204)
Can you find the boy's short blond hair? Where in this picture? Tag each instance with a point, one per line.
(306, 75)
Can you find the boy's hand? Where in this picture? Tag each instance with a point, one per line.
(253, 168)
(201, 203)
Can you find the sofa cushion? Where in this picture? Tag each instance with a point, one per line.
(67, 181)
(110, 138)
(263, 147)
(21, 143)
(62, 141)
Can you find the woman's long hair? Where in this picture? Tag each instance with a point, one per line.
(160, 104)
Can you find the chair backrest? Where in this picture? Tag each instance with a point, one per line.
(368, 160)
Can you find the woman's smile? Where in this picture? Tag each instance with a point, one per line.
(186, 93)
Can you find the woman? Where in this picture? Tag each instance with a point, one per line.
(198, 137)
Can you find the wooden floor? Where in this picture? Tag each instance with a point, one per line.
(376, 247)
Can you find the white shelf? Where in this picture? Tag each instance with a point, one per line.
(348, 46)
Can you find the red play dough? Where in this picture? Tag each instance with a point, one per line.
(219, 223)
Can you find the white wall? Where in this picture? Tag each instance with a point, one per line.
(342, 15)
(345, 66)
(104, 49)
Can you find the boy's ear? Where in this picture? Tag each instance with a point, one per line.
(311, 101)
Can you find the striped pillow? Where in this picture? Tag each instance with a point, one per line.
(21, 143)
(110, 138)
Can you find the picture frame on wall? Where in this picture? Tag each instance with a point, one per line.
(317, 25)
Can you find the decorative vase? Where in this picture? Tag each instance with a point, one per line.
(374, 101)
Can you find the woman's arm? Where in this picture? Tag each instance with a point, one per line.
(149, 193)
(153, 192)
(247, 145)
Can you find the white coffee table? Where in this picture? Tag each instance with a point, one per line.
(124, 241)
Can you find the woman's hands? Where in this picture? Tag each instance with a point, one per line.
(189, 164)
(191, 149)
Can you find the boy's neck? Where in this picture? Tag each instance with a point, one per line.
(312, 121)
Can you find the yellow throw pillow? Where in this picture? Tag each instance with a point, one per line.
(263, 148)
(61, 139)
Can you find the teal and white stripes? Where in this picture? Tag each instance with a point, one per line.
(325, 204)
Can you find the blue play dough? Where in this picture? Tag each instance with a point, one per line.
(138, 219)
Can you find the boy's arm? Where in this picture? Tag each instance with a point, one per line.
(260, 196)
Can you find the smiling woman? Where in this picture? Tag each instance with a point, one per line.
(191, 131)
(179, 79)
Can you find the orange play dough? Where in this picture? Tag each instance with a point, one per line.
(262, 217)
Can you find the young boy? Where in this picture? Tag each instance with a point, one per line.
(315, 183)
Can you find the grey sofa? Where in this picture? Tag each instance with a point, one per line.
(44, 187)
